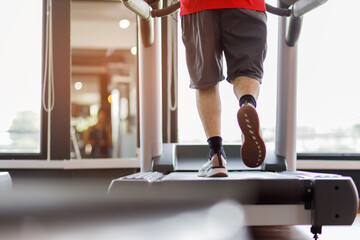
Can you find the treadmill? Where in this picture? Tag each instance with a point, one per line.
(273, 194)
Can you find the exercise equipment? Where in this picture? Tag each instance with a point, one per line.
(274, 194)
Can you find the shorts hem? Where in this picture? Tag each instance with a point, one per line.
(259, 79)
(204, 86)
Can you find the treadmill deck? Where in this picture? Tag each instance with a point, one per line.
(332, 199)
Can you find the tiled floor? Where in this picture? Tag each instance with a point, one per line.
(303, 232)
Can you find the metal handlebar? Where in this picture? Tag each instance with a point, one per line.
(146, 14)
(139, 7)
(304, 6)
(283, 12)
(298, 10)
(166, 11)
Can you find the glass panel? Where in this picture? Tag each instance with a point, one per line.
(328, 87)
(20, 76)
(103, 91)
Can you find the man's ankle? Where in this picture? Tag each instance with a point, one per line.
(215, 145)
(247, 99)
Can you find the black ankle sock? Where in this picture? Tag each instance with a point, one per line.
(215, 145)
(247, 99)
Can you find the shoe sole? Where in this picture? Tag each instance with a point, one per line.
(214, 172)
(217, 172)
(253, 149)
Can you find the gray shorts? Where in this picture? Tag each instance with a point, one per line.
(239, 33)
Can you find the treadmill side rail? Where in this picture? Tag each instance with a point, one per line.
(245, 187)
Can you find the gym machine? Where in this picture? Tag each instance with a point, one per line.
(273, 194)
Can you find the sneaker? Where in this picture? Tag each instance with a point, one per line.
(253, 149)
(215, 167)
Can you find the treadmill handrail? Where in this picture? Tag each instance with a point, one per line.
(304, 6)
(283, 12)
(139, 7)
(167, 10)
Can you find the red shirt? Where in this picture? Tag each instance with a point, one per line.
(191, 6)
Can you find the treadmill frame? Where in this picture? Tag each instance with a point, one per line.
(268, 197)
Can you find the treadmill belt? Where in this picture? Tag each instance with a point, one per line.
(243, 175)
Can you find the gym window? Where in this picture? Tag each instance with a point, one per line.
(21, 63)
(327, 118)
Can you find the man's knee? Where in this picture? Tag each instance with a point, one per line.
(246, 81)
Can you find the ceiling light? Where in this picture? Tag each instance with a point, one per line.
(124, 23)
(78, 85)
(133, 50)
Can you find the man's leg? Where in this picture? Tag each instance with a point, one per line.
(253, 149)
(204, 60)
(209, 108)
